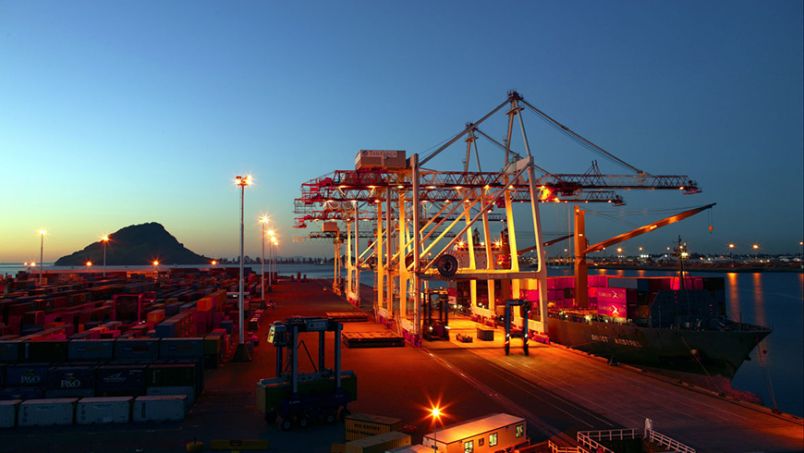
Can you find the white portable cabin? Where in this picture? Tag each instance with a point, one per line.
(481, 435)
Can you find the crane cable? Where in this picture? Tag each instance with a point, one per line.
(580, 139)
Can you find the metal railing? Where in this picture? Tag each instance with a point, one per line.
(589, 439)
(556, 449)
(668, 442)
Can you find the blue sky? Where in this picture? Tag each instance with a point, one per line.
(127, 112)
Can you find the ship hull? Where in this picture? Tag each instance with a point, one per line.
(699, 351)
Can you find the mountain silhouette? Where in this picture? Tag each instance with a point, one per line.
(136, 245)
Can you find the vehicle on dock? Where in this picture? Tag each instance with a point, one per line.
(298, 399)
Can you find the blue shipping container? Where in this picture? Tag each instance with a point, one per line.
(181, 348)
(71, 377)
(45, 351)
(120, 380)
(10, 351)
(145, 349)
(21, 393)
(90, 350)
(33, 374)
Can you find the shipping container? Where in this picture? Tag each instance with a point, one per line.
(159, 408)
(10, 351)
(47, 412)
(188, 391)
(171, 375)
(378, 443)
(139, 349)
(8, 413)
(380, 159)
(103, 410)
(119, 380)
(181, 348)
(45, 351)
(100, 350)
(358, 426)
(27, 374)
(498, 432)
(21, 393)
(71, 377)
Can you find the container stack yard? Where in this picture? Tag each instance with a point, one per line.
(82, 348)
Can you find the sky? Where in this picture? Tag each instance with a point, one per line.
(118, 113)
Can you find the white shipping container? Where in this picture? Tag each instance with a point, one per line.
(47, 412)
(8, 413)
(113, 409)
(159, 408)
(187, 391)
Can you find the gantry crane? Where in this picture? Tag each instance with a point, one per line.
(420, 217)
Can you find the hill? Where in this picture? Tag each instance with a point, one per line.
(135, 245)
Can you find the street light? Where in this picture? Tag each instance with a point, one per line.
(271, 237)
(264, 219)
(242, 354)
(42, 233)
(88, 264)
(275, 243)
(435, 414)
(105, 241)
(213, 262)
(731, 253)
(155, 264)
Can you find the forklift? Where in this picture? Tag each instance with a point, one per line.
(436, 329)
(297, 399)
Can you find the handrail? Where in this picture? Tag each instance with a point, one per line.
(669, 442)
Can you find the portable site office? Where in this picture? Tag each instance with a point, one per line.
(493, 433)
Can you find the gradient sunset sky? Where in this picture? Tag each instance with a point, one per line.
(118, 113)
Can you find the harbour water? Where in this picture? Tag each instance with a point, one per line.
(776, 300)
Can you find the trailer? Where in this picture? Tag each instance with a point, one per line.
(493, 433)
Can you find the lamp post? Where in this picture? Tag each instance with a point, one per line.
(755, 247)
(731, 253)
(105, 241)
(42, 234)
(264, 219)
(155, 264)
(275, 244)
(242, 354)
(271, 234)
(435, 414)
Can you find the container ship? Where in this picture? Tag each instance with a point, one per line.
(662, 322)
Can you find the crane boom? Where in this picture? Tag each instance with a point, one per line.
(646, 228)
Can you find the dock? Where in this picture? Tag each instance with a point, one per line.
(558, 391)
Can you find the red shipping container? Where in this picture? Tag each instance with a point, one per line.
(531, 295)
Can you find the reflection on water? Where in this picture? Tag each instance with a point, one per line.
(734, 297)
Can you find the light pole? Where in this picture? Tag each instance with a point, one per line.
(155, 264)
(271, 236)
(275, 243)
(731, 253)
(105, 241)
(264, 219)
(755, 247)
(435, 414)
(242, 354)
(42, 234)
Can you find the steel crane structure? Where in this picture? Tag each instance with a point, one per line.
(420, 218)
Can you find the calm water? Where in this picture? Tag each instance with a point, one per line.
(775, 300)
